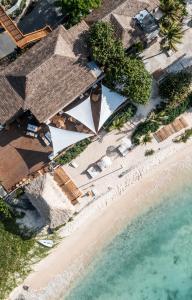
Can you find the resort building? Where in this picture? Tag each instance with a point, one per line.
(52, 96)
(133, 21)
(48, 77)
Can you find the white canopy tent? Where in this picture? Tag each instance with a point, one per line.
(62, 138)
(83, 113)
(109, 103)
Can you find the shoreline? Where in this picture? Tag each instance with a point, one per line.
(100, 222)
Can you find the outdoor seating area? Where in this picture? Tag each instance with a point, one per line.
(106, 162)
(28, 154)
(170, 129)
(67, 185)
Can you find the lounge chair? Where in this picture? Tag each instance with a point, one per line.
(32, 134)
(93, 172)
(104, 163)
(46, 141)
(125, 146)
(32, 127)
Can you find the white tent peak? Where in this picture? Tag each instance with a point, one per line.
(83, 113)
(62, 138)
(110, 101)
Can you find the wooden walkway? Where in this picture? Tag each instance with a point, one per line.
(17, 36)
(67, 185)
(170, 129)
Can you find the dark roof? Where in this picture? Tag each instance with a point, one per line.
(47, 77)
(122, 7)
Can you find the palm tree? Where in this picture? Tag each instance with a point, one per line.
(172, 35)
(146, 139)
(173, 10)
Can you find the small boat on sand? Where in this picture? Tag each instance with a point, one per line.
(46, 243)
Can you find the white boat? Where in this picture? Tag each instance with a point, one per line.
(46, 243)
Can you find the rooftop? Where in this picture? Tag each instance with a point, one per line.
(127, 8)
(48, 76)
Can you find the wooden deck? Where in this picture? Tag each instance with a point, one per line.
(17, 36)
(67, 185)
(170, 129)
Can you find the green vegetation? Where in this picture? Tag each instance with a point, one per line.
(175, 87)
(76, 10)
(117, 120)
(170, 26)
(5, 211)
(176, 91)
(19, 192)
(173, 10)
(172, 35)
(73, 152)
(17, 252)
(149, 152)
(124, 73)
(184, 137)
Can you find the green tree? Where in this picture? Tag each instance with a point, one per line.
(172, 35)
(125, 74)
(136, 81)
(174, 10)
(104, 47)
(176, 87)
(77, 9)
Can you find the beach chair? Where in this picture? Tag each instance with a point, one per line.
(104, 163)
(92, 172)
(125, 146)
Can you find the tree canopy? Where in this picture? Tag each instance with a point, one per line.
(176, 87)
(77, 9)
(123, 73)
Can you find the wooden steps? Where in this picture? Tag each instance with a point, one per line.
(67, 185)
(20, 39)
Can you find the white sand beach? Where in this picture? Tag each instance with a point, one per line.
(96, 224)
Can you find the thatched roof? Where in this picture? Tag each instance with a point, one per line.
(120, 13)
(47, 77)
(122, 7)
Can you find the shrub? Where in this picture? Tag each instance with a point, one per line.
(142, 129)
(176, 86)
(5, 211)
(73, 152)
(19, 192)
(119, 119)
(184, 137)
(163, 115)
(149, 152)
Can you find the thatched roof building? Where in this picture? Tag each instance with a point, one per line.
(48, 76)
(50, 201)
(120, 13)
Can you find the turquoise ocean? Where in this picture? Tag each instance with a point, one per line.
(151, 259)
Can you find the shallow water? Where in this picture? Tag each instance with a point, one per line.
(150, 260)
